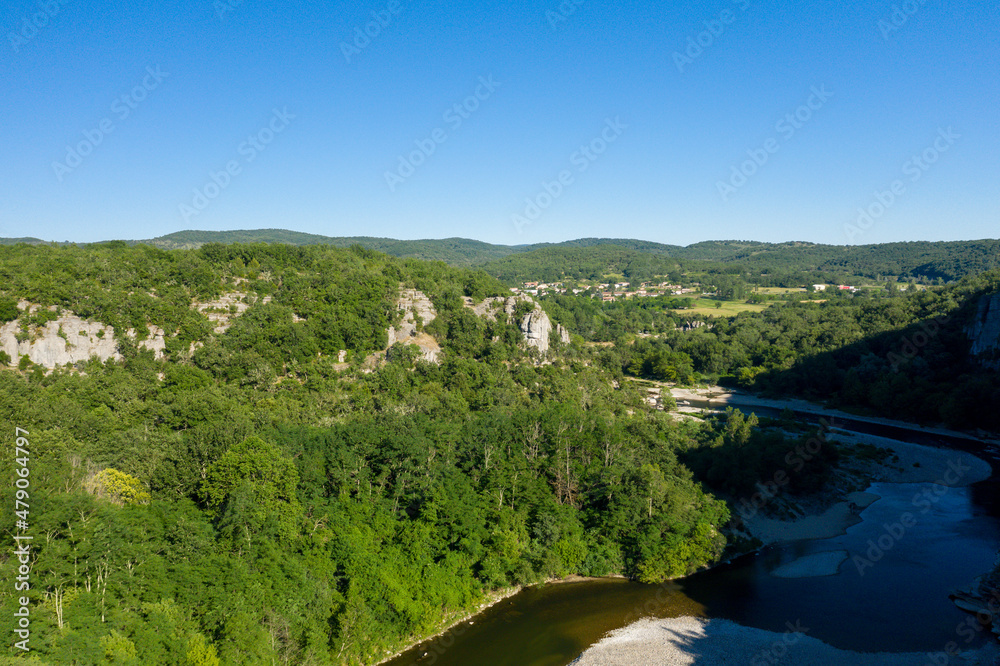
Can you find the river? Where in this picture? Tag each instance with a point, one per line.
(889, 594)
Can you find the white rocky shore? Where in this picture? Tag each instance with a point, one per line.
(688, 640)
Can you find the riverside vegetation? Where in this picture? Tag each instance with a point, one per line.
(248, 498)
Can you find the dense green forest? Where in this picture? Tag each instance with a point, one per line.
(248, 498)
(255, 501)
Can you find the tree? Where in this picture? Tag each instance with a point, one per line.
(251, 485)
(119, 487)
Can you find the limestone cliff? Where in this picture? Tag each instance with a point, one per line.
(415, 304)
(984, 331)
(535, 325)
(69, 339)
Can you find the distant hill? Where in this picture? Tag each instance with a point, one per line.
(453, 251)
(921, 260)
(590, 262)
(14, 241)
(191, 239)
(788, 264)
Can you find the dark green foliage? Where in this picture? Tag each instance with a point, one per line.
(739, 457)
(588, 263)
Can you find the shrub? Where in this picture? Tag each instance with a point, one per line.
(118, 487)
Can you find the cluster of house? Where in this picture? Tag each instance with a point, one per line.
(608, 291)
(841, 287)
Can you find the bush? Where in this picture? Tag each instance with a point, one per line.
(118, 487)
(8, 310)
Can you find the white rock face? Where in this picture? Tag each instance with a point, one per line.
(80, 340)
(415, 304)
(985, 331)
(535, 326)
(218, 311)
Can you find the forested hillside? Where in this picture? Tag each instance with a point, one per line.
(247, 498)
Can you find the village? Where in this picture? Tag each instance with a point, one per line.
(607, 291)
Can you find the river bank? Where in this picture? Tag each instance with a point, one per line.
(450, 623)
(455, 625)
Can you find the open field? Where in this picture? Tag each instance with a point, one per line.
(706, 306)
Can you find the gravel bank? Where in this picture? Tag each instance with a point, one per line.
(688, 640)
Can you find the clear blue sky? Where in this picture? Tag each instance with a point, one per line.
(183, 87)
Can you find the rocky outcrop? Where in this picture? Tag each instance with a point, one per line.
(70, 339)
(418, 311)
(692, 325)
(982, 598)
(535, 325)
(222, 310)
(984, 331)
(492, 307)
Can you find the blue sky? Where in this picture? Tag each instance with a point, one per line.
(508, 122)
